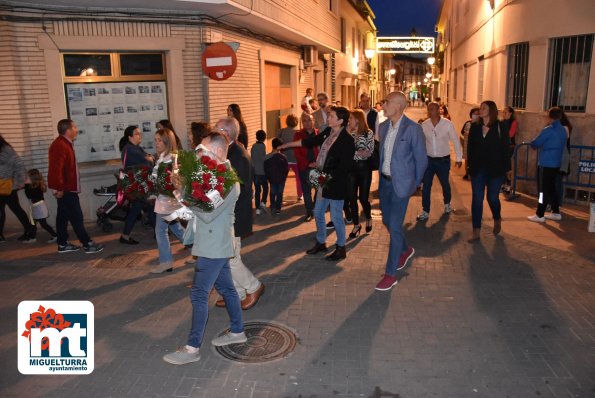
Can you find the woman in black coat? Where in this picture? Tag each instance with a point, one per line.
(487, 153)
(335, 158)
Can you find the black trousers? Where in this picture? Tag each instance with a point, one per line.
(12, 201)
(548, 193)
(361, 180)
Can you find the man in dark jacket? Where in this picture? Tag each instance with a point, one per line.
(371, 113)
(249, 288)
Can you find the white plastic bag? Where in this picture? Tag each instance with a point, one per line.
(592, 217)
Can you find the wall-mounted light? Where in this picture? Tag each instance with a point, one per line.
(369, 52)
(431, 60)
(428, 75)
(392, 71)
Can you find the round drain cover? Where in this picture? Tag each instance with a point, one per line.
(267, 342)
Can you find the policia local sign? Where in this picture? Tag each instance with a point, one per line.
(408, 45)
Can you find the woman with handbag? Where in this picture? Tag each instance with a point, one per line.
(133, 155)
(361, 178)
(12, 178)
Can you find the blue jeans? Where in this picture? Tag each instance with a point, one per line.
(69, 210)
(336, 216)
(441, 168)
(136, 208)
(211, 272)
(260, 183)
(161, 226)
(393, 215)
(277, 195)
(479, 183)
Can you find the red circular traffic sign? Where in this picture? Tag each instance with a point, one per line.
(219, 61)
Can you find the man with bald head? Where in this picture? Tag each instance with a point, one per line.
(403, 161)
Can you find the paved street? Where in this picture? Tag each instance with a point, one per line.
(512, 316)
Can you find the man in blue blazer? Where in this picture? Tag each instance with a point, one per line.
(403, 161)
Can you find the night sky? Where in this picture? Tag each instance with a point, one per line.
(397, 17)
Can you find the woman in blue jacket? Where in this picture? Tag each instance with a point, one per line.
(133, 155)
(550, 143)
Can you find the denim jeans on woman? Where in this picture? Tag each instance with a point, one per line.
(479, 183)
(163, 244)
(336, 216)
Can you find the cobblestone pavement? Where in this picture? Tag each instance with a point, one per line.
(512, 316)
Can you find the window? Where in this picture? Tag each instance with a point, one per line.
(343, 36)
(465, 83)
(87, 65)
(110, 67)
(454, 84)
(480, 80)
(518, 66)
(141, 64)
(568, 75)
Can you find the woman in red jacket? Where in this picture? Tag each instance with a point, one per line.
(306, 159)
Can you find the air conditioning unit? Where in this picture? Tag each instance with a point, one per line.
(310, 55)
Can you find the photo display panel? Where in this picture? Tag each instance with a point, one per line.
(102, 111)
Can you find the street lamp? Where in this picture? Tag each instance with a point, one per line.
(369, 52)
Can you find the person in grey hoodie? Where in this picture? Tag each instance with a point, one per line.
(12, 168)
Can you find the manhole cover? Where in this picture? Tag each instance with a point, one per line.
(267, 342)
(120, 261)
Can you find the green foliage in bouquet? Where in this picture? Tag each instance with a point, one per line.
(164, 184)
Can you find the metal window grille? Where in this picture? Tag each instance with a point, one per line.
(518, 66)
(480, 80)
(568, 74)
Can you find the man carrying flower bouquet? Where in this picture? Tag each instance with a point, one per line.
(214, 246)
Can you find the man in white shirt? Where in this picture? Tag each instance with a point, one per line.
(305, 105)
(438, 131)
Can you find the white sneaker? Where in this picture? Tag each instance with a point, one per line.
(258, 212)
(537, 219)
(448, 209)
(423, 216)
(229, 338)
(554, 216)
(263, 206)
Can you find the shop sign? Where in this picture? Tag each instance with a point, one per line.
(409, 45)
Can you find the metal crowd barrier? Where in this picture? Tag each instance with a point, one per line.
(582, 168)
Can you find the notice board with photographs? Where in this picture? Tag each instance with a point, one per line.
(102, 111)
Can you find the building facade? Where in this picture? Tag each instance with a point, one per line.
(528, 54)
(110, 65)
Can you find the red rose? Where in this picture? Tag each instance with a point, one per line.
(195, 185)
(206, 177)
(220, 189)
(212, 165)
(220, 179)
(205, 159)
(205, 186)
(205, 199)
(221, 168)
(196, 194)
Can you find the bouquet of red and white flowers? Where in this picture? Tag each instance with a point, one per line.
(135, 182)
(163, 180)
(204, 181)
(318, 178)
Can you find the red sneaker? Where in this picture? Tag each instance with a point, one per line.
(405, 256)
(387, 282)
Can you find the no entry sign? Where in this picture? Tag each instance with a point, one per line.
(219, 61)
